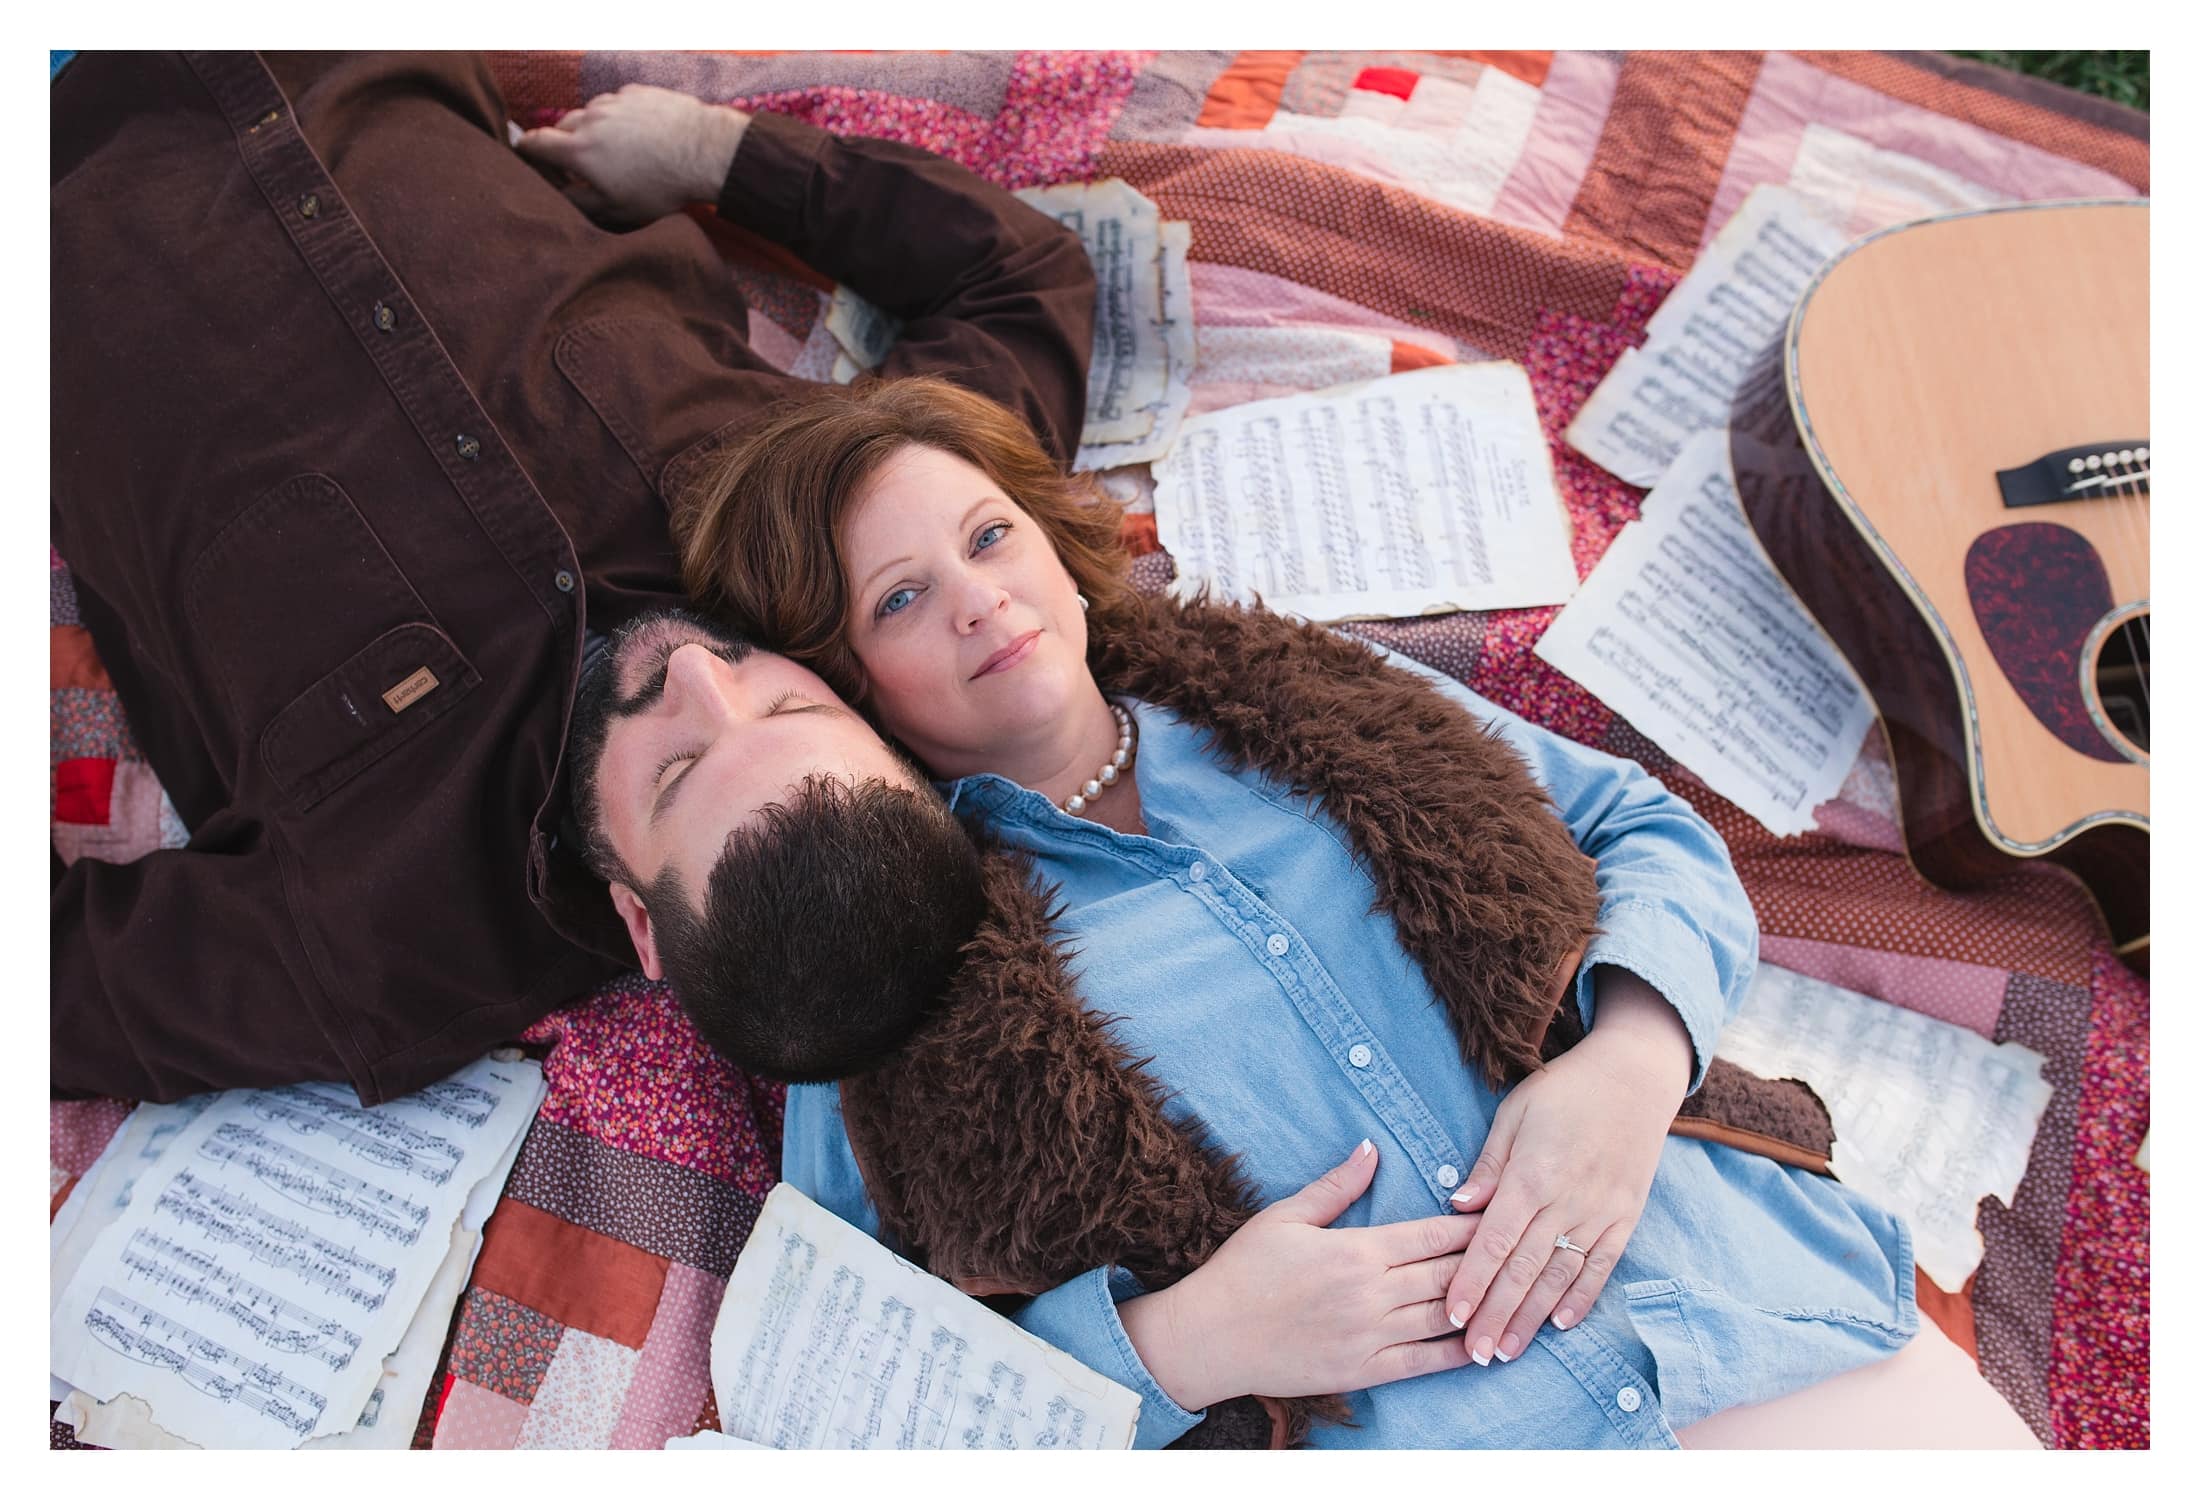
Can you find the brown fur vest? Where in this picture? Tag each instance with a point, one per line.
(1014, 1144)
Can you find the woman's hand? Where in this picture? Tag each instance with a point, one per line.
(642, 152)
(1571, 1152)
(1289, 1308)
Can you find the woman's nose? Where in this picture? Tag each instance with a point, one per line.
(981, 601)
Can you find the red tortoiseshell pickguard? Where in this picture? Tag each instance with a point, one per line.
(2038, 590)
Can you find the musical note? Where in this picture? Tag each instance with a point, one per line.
(226, 1218)
(139, 1333)
(305, 1180)
(192, 1276)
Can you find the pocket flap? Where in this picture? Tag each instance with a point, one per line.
(390, 689)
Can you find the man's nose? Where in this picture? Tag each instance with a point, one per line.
(697, 680)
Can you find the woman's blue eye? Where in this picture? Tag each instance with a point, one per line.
(897, 601)
(990, 535)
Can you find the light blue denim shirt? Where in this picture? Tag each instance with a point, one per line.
(1237, 941)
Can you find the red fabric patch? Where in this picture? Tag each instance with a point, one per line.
(1405, 356)
(1399, 81)
(83, 790)
(1140, 535)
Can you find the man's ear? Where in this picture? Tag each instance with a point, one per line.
(638, 928)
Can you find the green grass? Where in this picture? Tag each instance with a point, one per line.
(2120, 76)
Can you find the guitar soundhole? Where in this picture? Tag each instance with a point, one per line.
(2121, 673)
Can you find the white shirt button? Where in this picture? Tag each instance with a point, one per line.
(1198, 871)
(1360, 1056)
(1629, 1398)
(1447, 1176)
(1278, 944)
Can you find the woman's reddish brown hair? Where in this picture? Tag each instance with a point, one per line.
(760, 532)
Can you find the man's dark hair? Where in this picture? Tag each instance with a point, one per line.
(831, 928)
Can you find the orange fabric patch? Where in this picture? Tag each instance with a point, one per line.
(1398, 81)
(1246, 95)
(1404, 356)
(76, 661)
(1529, 67)
(1141, 535)
(570, 1275)
(84, 790)
(1952, 1311)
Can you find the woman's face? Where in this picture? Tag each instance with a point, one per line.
(965, 621)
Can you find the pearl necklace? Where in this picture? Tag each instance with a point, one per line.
(1109, 773)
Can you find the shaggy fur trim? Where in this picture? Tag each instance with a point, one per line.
(1468, 856)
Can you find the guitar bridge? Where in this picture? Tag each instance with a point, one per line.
(2089, 473)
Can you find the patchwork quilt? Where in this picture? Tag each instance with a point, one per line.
(1353, 214)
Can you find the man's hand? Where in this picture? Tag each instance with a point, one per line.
(1289, 1308)
(640, 153)
(1571, 1151)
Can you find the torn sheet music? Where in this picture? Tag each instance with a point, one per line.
(1163, 417)
(1928, 1118)
(1687, 630)
(277, 1248)
(828, 1340)
(1408, 495)
(1730, 307)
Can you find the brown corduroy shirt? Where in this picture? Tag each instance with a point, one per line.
(357, 424)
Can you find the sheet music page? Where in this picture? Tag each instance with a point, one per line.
(1928, 1118)
(1162, 418)
(278, 1247)
(1687, 630)
(826, 1339)
(1732, 305)
(1407, 495)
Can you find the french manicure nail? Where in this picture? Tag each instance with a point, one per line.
(1563, 1319)
(1365, 1147)
(1459, 1199)
(1482, 1351)
(1458, 1315)
(1507, 1347)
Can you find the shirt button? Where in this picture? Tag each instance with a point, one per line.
(1629, 1398)
(1360, 1057)
(1198, 871)
(468, 448)
(1278, 944)
(384, 319)
(1447, 1176)
(309, 206)
(564, 581)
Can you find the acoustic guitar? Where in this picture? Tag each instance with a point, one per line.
(1947, 459)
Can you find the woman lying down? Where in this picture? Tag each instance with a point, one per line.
(1354, 1091)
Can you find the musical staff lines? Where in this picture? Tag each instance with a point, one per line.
(139, 1333)
(229, 1219)
(370, 1135)
(193, 1276)
(315, 1184)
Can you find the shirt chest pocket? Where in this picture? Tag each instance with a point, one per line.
(328, 658)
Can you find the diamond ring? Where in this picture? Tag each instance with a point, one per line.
(1564, 1243)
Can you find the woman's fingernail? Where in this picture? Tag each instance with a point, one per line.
(1563, 1319)
(1482, 1351)
(1365, 1147)
(1461, 1198)
(1508, 1346)
(1458, 1315)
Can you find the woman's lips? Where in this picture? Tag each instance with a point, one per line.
(1008, 656)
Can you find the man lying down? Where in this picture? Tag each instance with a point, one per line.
(823, 916)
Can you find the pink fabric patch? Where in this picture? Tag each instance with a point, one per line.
(474, 1417)
(1398, 81)
(81, 1128)
(1959, 993)
(673, 1378)
(1233, 297)
(1569, 119)
(578, 1400)
(628, 1068)
(1791, 94)
(771, 342)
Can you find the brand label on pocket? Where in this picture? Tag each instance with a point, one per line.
(410, 691)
